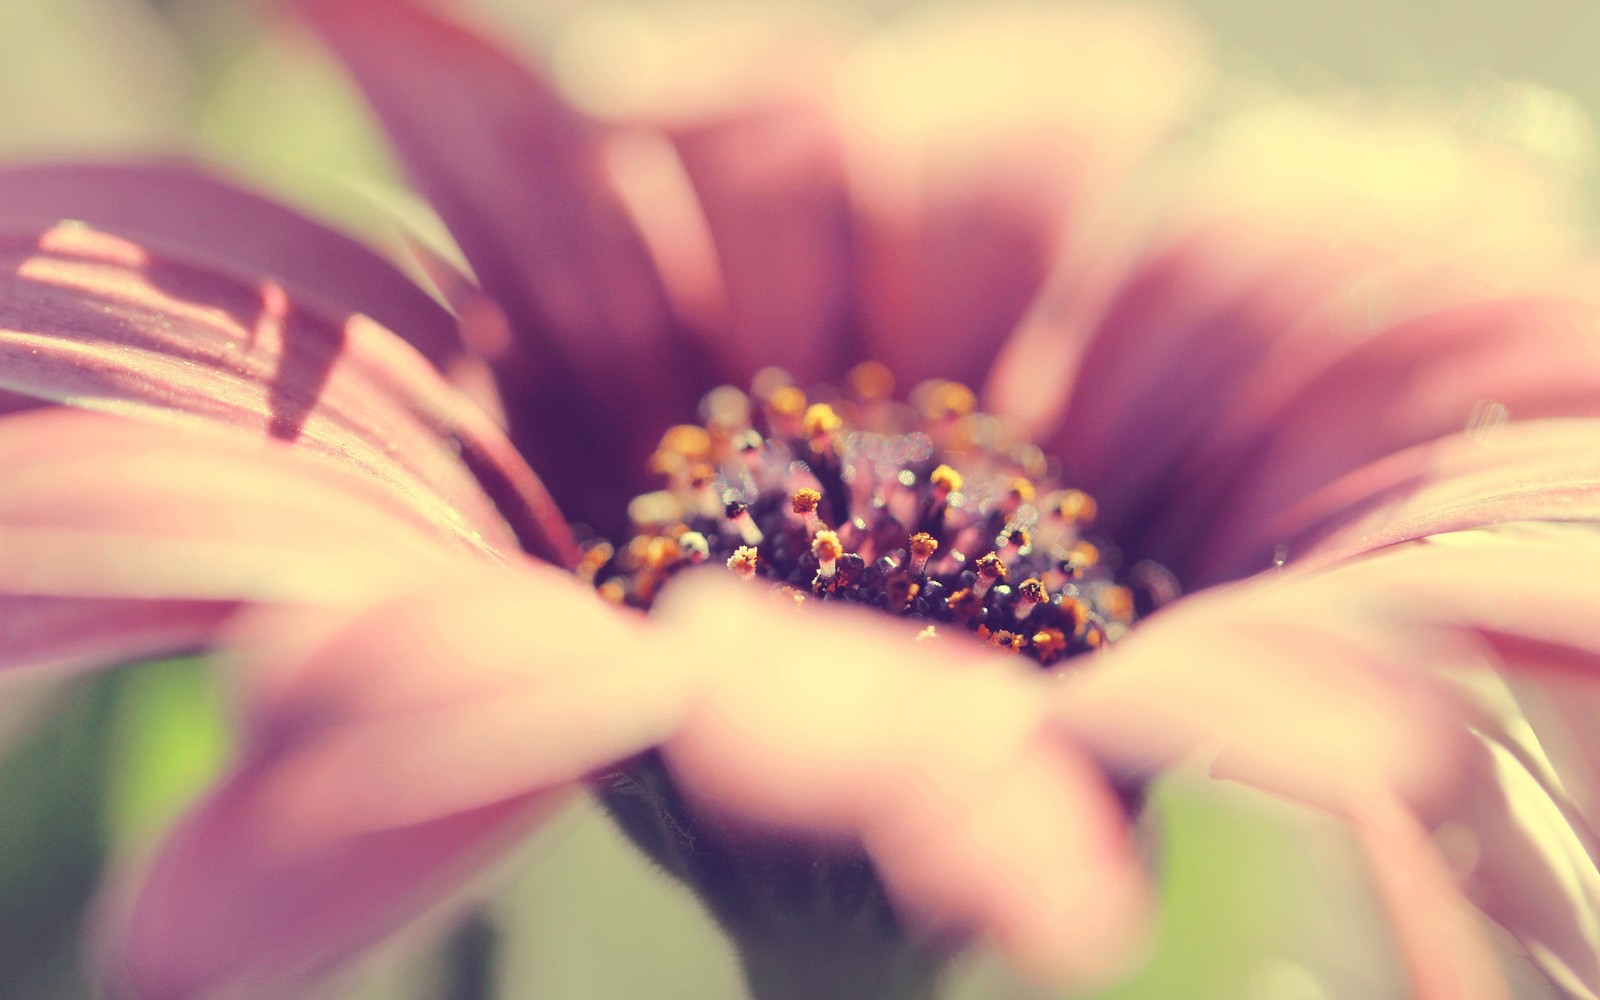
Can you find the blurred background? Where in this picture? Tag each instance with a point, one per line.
(1262, 902)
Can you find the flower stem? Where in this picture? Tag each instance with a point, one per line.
(818, 973)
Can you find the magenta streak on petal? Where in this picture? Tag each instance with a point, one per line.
(1403, 386)
(948, 277)
(1537, 470)
(94, 320)
(389, 754)
(232, 892)
(1159, 363)
(771, 181)
(181, 208)
(521, 180)
(67, 633)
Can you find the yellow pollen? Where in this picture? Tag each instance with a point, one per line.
(991, 568)
(594, 558)
(1008, 641)
(1117, 602)
(1033, 591)
(871, 381)
(805, 501)
(923, 545)
(965, 604)
(743, 562)
(1077, 508)
(821, 420)
(945, 479)
(1049, 643)
(946, 400)
(1078, 612)
(787, 402)
(613, 591)
(1021, 491)
(826, 547)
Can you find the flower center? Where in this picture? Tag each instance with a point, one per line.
(926, 509)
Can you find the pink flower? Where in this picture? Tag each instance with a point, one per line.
(1251, 380)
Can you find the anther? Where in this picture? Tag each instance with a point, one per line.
(828, 550)
(1077, 508)
(743, 562)
(738, 514)
(820, 423)
(990, 571)
(695, 548)
(922, 548)
(1014, 542)
(1008, 641)
(804, 504)
(1030, 594)
(785, 410)
(1049, 644)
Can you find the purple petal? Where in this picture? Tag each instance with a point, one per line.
(771, 182)
(1276, 443)
(180, 208)
(95, 320)
(524, 183)
(1538, 470)
(991, 139)
(389, 755)
(1333, 688)
(125, 538)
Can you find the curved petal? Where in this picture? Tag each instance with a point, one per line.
(523, 182)
(1294, 321)
(837, 723)
(771, 180)
(181, 208)
(1532, 358)
(988, 140)
(97, 321)
(122, 539)
(389, 755)
(1536, 470)
(1328, 688)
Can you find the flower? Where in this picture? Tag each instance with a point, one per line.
(1254, 379)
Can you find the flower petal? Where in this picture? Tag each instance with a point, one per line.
(837, 723)
(522, 181)
(985, 139)
(181, 208)
(97, 321)
(123, 538)
(1294, 321)
(388, 755)
(771, 181)
(1535, 470)
(1327, 688)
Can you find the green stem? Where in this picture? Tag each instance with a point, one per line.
(470, 960)
(807, 972)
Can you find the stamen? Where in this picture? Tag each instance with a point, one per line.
(923, 546)
(804, 505)
(828, 551)
(990, 571)
(923, 511)
(744, 562)
(738, 514)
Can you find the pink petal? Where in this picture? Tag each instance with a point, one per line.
(523, 183)
(94, 320)
(771, 181)
(1261, 347)
(182, 210)
(1328, 688)
(1536, 470)
(123, 539)
(933, 755)
(389, 755)
(988, 142)
(1532, 358)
